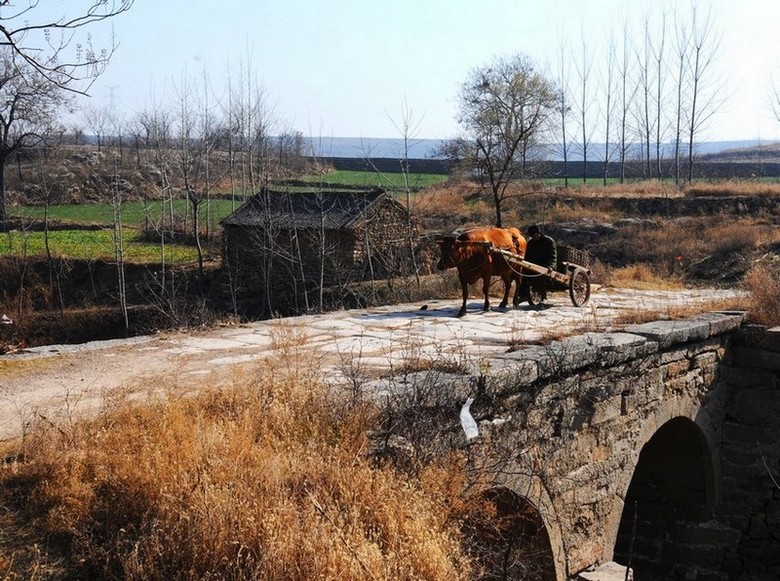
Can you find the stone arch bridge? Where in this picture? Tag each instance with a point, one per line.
(658, 445)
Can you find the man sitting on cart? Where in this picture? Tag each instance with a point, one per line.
(543, 251)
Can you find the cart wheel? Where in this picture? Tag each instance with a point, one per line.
(579, 287)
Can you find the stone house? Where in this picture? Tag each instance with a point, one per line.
(281, 249)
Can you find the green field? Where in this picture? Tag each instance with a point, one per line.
(92, 245)
(133, 213)
(99, 244)
(388, 181)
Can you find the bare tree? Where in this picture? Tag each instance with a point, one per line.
(584, 67)
(682, 41)
(705, 97)
(58, 50)
(28, 103)
(645, 84)
(154, 130)
(97, 120)
(608, 88)
(55, 266)
(659, 55)
(119, 246)
(409, 128)
(118, 125)
(774, 99)
(505, 106)
(564, 108)
(252, 119)
(627, 93)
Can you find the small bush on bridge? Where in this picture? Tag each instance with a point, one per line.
(763, 282)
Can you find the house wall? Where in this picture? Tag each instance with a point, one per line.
(282, 271)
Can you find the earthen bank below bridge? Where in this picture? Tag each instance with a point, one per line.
(656, 444)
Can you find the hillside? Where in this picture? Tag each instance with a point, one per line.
(754, 153)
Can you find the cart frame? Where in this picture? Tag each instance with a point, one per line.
(576, 277)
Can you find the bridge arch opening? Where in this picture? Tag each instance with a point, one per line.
(509, 538)
(668, 500)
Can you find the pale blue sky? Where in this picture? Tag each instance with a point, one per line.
(346, 67)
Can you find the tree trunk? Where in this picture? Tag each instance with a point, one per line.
(3, 209)
(195, 201)
(497, 204)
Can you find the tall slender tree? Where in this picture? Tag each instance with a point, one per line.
(627, 93)
(659, 57)
(705, 96)
(564, 108)
(583, 103)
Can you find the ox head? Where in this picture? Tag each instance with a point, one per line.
(457, 251)
(448, 247)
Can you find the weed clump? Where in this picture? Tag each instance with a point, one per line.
(763, 283)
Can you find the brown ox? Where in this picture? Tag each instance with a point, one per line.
(468, 252)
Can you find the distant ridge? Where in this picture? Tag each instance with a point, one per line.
(378, 147)
(374, 147)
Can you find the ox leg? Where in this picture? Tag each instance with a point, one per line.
(518, 281)
(507, 285)
(486, 292)
(464, 288)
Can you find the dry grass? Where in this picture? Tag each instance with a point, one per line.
(642, 277)
(669, 250)
(763, 282)
(733, 188)
(667, 189)
(457, 204)
(630, 189)
(677, 312)
(267, 480)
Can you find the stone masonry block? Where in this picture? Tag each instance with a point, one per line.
(722, 322)
(762, 358)
(710, 533)
(668, 333)
(605, 411)
(617, 348)
(756, 407)
(511, 372)
(570, 354)
(759, 337)
(741, 377)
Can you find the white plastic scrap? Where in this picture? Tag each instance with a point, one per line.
(467, 421)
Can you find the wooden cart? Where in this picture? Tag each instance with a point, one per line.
(570, 275)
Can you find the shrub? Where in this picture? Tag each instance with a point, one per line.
(763, 282)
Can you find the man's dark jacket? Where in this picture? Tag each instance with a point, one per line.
(543, 252)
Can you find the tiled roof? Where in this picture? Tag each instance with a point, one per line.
(287, 210)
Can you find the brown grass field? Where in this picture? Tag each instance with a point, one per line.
(268, 479)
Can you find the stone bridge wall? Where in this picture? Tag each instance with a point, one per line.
(750, 453)
(662, 419)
